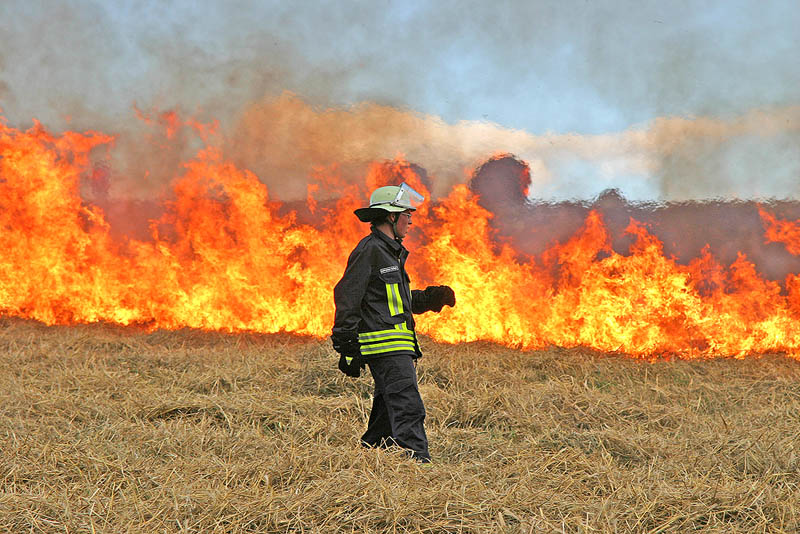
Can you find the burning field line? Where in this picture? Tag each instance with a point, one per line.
(215, 251)
(106, 429)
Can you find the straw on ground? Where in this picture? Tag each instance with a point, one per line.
(106, 429)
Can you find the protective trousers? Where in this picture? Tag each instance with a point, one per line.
(398, 415)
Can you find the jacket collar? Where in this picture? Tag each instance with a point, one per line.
(393, 245)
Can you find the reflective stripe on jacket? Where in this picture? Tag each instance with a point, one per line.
(373, 298)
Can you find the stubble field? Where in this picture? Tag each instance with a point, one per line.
(106, 429)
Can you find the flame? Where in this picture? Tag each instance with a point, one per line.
(224, 256)
(778, 231)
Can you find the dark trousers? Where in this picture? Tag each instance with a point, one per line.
(397, 415)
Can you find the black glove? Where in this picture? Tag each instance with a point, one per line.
(351, 365)
(349, 349)
(346, 343)
(439, 296)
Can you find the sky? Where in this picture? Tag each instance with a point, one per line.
(662, 100)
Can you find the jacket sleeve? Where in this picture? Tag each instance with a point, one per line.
(419, 301)
(350, 290)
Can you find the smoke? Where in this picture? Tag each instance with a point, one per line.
(669, 159)
(729, 229)
(752, 156)
(283, 139)
(447, 86)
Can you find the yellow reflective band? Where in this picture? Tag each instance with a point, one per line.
(390, 331)
(390, 346)
(393, 297)
(385, 334)
(398, 298)
(390, 298)
(348, 359)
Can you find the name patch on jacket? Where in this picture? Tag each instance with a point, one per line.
(390, 269)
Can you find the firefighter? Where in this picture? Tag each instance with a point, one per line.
(374, 324)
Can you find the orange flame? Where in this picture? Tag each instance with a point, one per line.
(226, 257)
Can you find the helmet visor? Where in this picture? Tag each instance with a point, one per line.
(407, 197)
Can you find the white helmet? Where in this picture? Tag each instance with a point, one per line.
(390, 198)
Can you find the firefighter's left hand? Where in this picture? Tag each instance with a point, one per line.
(351, 365)
(346, 343)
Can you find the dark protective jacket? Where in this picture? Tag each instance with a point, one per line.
(374, 298)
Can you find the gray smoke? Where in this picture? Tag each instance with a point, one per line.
(444, 85)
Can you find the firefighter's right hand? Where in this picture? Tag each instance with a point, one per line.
(439, 297)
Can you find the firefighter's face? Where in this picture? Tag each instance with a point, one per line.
(403, 222)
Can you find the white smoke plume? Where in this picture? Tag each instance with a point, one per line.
(296, 91)
(669, 159)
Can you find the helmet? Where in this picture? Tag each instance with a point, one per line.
(390, 198)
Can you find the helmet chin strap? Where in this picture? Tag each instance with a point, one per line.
(394, 228)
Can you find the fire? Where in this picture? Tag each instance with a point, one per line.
(582, 293)
(224, 256)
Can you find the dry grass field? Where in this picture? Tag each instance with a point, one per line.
(105, 429)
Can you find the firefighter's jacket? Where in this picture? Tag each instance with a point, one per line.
(374, 299)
